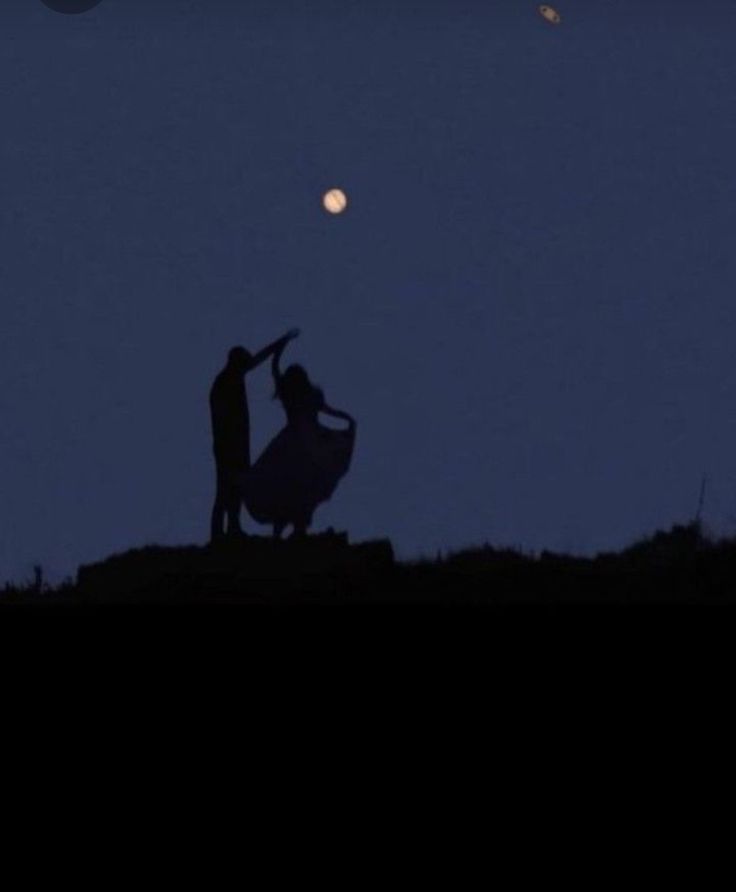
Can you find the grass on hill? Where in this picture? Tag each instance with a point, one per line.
(679, 565)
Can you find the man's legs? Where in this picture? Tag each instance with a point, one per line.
(217, 522)
(233, 500)
(228, 498)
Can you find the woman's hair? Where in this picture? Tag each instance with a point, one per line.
(294, 385)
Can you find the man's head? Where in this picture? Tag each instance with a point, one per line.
(239, 358)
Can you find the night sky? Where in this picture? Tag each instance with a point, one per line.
(528, 304)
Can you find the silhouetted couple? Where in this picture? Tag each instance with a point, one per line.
(300, 467)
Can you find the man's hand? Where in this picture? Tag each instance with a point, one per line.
(289, 336)
(275, 348)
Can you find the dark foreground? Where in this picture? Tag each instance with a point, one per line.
(680, 566)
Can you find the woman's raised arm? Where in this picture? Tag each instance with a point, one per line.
(275, 369)
(274, 347)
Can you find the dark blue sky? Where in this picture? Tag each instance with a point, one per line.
(528, 306)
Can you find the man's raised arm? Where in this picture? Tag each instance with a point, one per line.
(273, 347)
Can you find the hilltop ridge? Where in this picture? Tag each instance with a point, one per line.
(680, 565)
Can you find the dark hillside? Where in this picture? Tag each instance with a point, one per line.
(676, 566)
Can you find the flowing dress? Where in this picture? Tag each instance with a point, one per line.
(300, 468)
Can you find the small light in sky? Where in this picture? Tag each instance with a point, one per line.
(334, 201)
(550, 14)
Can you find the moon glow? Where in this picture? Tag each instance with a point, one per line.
(335, 201)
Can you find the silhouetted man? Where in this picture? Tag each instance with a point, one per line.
(231, 432)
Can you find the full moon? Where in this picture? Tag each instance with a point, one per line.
(550, 14)
(335, 201)
(70, 7)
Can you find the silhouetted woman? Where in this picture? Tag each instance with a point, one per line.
(302, 465)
